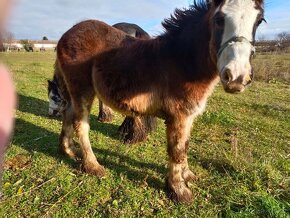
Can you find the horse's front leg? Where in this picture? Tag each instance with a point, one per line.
(82, 109)
(178, 132)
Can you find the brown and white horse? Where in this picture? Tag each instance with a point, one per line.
(170, 77)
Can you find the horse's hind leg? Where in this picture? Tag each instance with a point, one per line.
(136, 129)
(132, 130)
(178, 131)
(66, 144)
(150, 123)
(82, 109)
(105, 113)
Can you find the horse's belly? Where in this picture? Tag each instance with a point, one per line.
(137, 105)
(140, 103)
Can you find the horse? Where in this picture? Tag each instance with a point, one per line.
(132, 129)
(170, 76)
(56, 101)
(132, 30)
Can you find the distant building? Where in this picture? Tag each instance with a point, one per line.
(38, 45)
(44, 44)
(12, 46)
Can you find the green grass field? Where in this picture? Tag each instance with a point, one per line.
(239, 153)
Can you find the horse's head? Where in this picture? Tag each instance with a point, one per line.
(234, 24)
(56, 103)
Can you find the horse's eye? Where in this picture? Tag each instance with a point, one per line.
(219, 21)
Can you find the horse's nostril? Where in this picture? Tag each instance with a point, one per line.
(227, 76)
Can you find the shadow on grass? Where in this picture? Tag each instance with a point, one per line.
(220, 166)
(138, 174)
(27, 133)
(270, 110)
(32, 105)
(39, 107)
(34, 138)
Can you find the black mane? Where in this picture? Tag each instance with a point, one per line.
(181, 17)
(186, 38)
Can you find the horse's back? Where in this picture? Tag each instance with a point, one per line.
(75, 52)
(86, 40)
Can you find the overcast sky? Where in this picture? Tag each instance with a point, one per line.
(33, 19)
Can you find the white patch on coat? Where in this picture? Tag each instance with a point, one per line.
(53, 106)
(240, 18)
(201, 105)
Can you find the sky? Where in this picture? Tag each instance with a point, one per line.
(33, 19)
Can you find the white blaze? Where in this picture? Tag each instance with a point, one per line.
(240, 18)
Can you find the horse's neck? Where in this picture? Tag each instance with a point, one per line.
(191, 51)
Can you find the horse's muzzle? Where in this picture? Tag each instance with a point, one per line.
(236, 85)
(234, 88)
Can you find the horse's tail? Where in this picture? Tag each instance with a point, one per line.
(58, 77)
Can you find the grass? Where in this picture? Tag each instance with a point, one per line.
(239, 153)
(271, 67)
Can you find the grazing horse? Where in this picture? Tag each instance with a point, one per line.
(170, 77)
(132, 129)
(56, 102)
(132, 30)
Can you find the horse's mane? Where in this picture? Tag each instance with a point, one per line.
(182, 35)
(181, 17)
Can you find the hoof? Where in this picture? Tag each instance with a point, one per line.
(179, 192)
(188, 176)
(95, 169)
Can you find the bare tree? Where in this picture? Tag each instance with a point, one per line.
(283, 40)
(283, 36)
(7, 38)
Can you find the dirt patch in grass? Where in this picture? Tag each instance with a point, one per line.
(18, 162)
